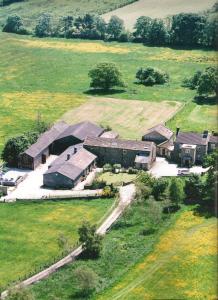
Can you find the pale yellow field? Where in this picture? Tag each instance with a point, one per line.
(130, 118)
(72, 46)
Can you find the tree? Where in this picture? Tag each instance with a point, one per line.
(176, 192)
(17, 145)
(142, 29)
(65, 26)
(159, 188)
(115, 27)
(86, 279)
(210, 160)
(20, 293)
(207, 84)
(105, 76)
(150, 76)
(158, 35)
(91, 241)
(187, 29)
(7, 2)
(44, 25)
(144, 185)
(193, 189)
(153, 212)
(14, 24)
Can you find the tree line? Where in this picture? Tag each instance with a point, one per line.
(181, 30)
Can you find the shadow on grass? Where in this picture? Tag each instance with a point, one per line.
(203, 210)
(99, 92)
(202, 100)
(81, 295)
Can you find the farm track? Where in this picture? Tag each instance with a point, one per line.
(126, 195)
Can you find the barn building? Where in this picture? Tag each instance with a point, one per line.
(136, 154)
(38, 153)
(69, 169)
(162, 137)
(76, 134)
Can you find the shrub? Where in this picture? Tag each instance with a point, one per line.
(150, 76)
(98, 184)
(116, 167)
(20, 293)
(108, 191)
(132, 171)
(107, 168)
(86, 279)
(14, 24)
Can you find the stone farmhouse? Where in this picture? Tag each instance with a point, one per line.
(83, 146)
(162, 137)
(127, 153)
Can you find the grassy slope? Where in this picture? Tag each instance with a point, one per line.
(51, 76)
(168, 264)
(29, 233)
(182, 265)
(30, 10)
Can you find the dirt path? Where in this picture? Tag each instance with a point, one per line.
(127, 194)
(156, 9)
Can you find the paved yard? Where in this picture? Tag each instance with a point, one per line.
(163, 168)
(32, 186)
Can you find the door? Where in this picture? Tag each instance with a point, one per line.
(43, 158)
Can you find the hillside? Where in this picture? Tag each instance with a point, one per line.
(30, 10)
(157, 9)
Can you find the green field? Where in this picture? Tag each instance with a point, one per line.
(182, 265)
(50, 76)
(29, 233)
(176, 262)
(30, 10)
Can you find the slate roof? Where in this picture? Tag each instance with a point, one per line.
(70, 151)
(82, 130)
(167, 145)
(191, 138)
(213, 139)
(162, 130)
(75, 166)
(46, 139)
(118, 144)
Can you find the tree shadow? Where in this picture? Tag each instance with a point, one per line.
(81, 295)
(100, 92)
(202, 100)
(204, 210)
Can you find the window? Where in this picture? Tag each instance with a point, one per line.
(187, 151)
(124, 152)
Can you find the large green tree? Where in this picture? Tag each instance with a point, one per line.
(44, 25)
(14, 24)
(176, 192)
(106, 76)
(115, 27)
(150, 76)
(158, 35)
(86, 280)
(142, 29)
(91, 241)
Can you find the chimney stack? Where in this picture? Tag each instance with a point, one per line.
(75, 150)
(68, 156)
(177, 131)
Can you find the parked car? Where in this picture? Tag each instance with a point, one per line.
(184, 172)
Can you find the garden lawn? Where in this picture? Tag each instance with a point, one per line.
(182, 265)
(50, 76)
(116, 179)
(29, 233)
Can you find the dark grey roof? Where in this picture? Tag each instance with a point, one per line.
(82, 130)
(119, 144)
(46, 139)
(192, 138)
(213, 139)
(70, 151)
(75, 166)
(162, 130)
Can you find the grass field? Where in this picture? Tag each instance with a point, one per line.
(182, 265)
(157, 9)
(50, 76)
(30, 10)
(176, 262)
(29, 233)
(128, 117)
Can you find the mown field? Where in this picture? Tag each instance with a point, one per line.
(29, 233)
(30, 10)
(157, 9)
(176, 262)
(50, 76)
